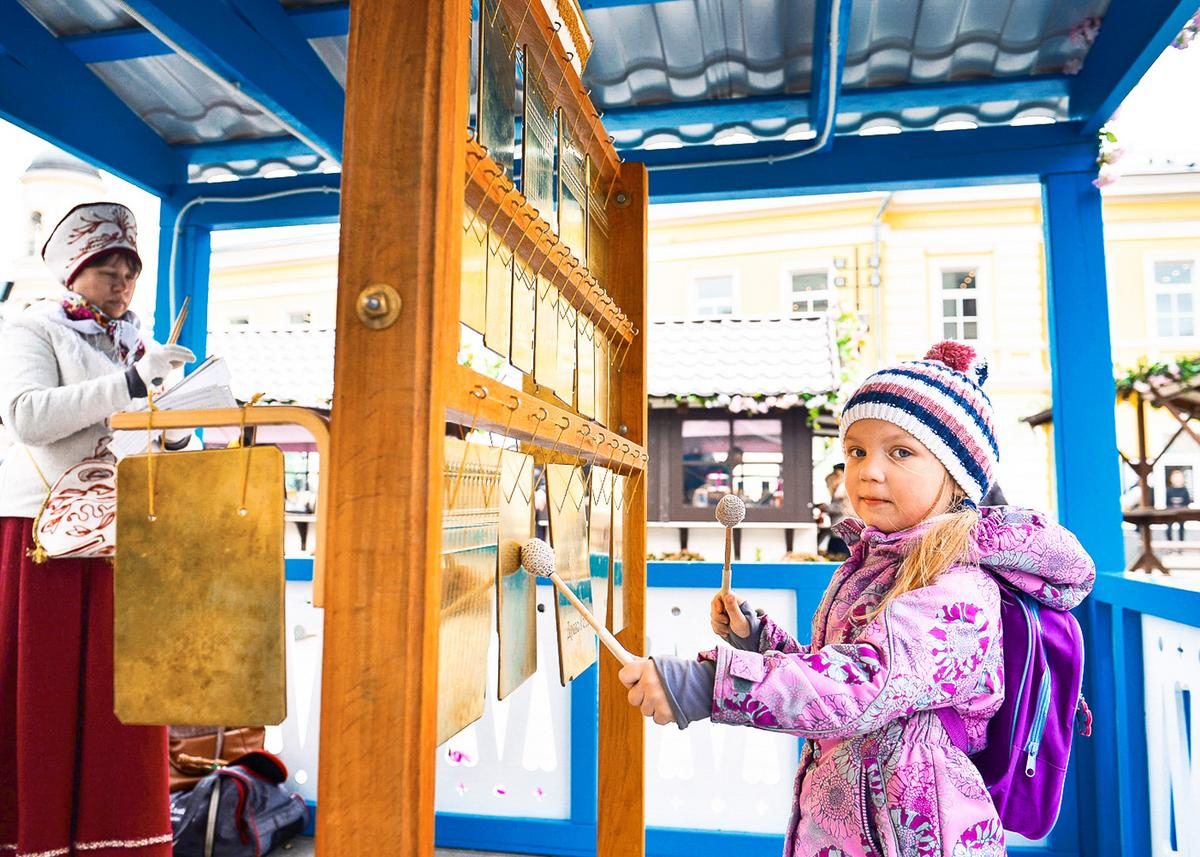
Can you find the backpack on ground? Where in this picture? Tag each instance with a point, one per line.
(1024, 765)
(241, 810)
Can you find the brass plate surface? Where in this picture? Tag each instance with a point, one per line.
(565, 386)
(497, 88)
(524, 296)
(516, 597)
(497, 330)
(199, 624)
(616, 583)
(470, 528)
(472, 309)
(545, 350)
(603, 380)
(568, 535)
(540, 141)
(585, 372)
(600, 537)
(572, 195)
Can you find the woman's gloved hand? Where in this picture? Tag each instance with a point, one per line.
(159, 360)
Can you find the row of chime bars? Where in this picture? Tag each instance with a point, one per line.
(520, 313)
(489, 515)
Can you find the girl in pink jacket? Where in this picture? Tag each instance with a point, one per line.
(909, 624)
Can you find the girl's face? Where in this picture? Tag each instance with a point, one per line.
(110, 284)
(892, 480)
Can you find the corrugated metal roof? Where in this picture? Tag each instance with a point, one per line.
(677, 51)
(741, 357)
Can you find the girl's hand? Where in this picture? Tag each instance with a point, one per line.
(646, 691)
(726, 615)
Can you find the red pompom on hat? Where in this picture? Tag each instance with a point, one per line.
(957, 355)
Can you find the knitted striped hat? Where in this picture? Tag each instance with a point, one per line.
(940, 402)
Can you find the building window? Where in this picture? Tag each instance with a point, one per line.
(711, 453)
(810, 292)
(1174, 293)
(299, 318)
(960, 304)
(713, 295)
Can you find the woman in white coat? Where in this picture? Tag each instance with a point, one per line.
(72, 778)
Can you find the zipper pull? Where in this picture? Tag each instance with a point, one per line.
(1031, 760)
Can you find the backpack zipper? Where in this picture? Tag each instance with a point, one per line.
(1028, 663)
(1043, 704)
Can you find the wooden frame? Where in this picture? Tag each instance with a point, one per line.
(409, 170)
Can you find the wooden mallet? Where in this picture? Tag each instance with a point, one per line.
(538, 558)
(731, 511)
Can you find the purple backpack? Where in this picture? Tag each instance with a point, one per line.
(1024, 765)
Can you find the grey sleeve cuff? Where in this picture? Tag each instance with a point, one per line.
(134, 383)
(689, 685)
(748, 643)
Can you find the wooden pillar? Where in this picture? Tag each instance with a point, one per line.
(621, 821)
(401, 218)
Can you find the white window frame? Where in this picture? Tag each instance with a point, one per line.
(828, 294)
(734, 293)
(1152, 292)
(942, 264)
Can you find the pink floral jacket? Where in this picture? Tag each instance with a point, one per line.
(878, 774)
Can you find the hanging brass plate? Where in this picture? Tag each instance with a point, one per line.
(378, 306)
(199, 626)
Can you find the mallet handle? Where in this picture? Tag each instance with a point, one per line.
(610, 642)
(727, 571)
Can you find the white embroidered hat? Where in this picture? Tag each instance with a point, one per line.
(89, 230)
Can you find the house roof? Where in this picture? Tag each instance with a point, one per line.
(741, 357)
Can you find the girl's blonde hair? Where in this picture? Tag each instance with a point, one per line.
(948, 541)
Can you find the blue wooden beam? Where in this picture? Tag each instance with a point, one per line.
(866, 100)
(1133, 35)
(826, 68)
(48, 92)
(308, 198)
(248, 149)
(254, 45)
(915, 159)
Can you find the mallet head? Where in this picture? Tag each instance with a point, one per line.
(538, 557)
(731, 511)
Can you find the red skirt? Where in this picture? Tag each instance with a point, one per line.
(73, 780)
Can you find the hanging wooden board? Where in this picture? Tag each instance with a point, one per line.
(516, 604)
(545, 347)
(600, 518)
(524, 310)
(569, 538)
(198, 590)
(497, 333)
(616, 580)
(470, 536)
(497, 88)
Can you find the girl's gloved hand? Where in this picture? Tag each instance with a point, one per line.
(646, 690)
(726, 615)
(158, 361)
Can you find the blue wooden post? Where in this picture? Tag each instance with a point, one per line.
(1085, 450)
(193, 249)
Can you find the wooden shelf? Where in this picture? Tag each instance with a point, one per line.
(519, 225)
(527, 418)
(531, 26)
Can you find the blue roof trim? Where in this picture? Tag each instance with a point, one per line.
(825, 67)
(914, 160)
(307, 198)
(249, 149)
(33, 64)
(1133, 35)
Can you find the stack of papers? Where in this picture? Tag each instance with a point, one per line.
(206, 387)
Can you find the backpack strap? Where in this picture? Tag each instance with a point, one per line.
(210, 829)
(952, 722)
